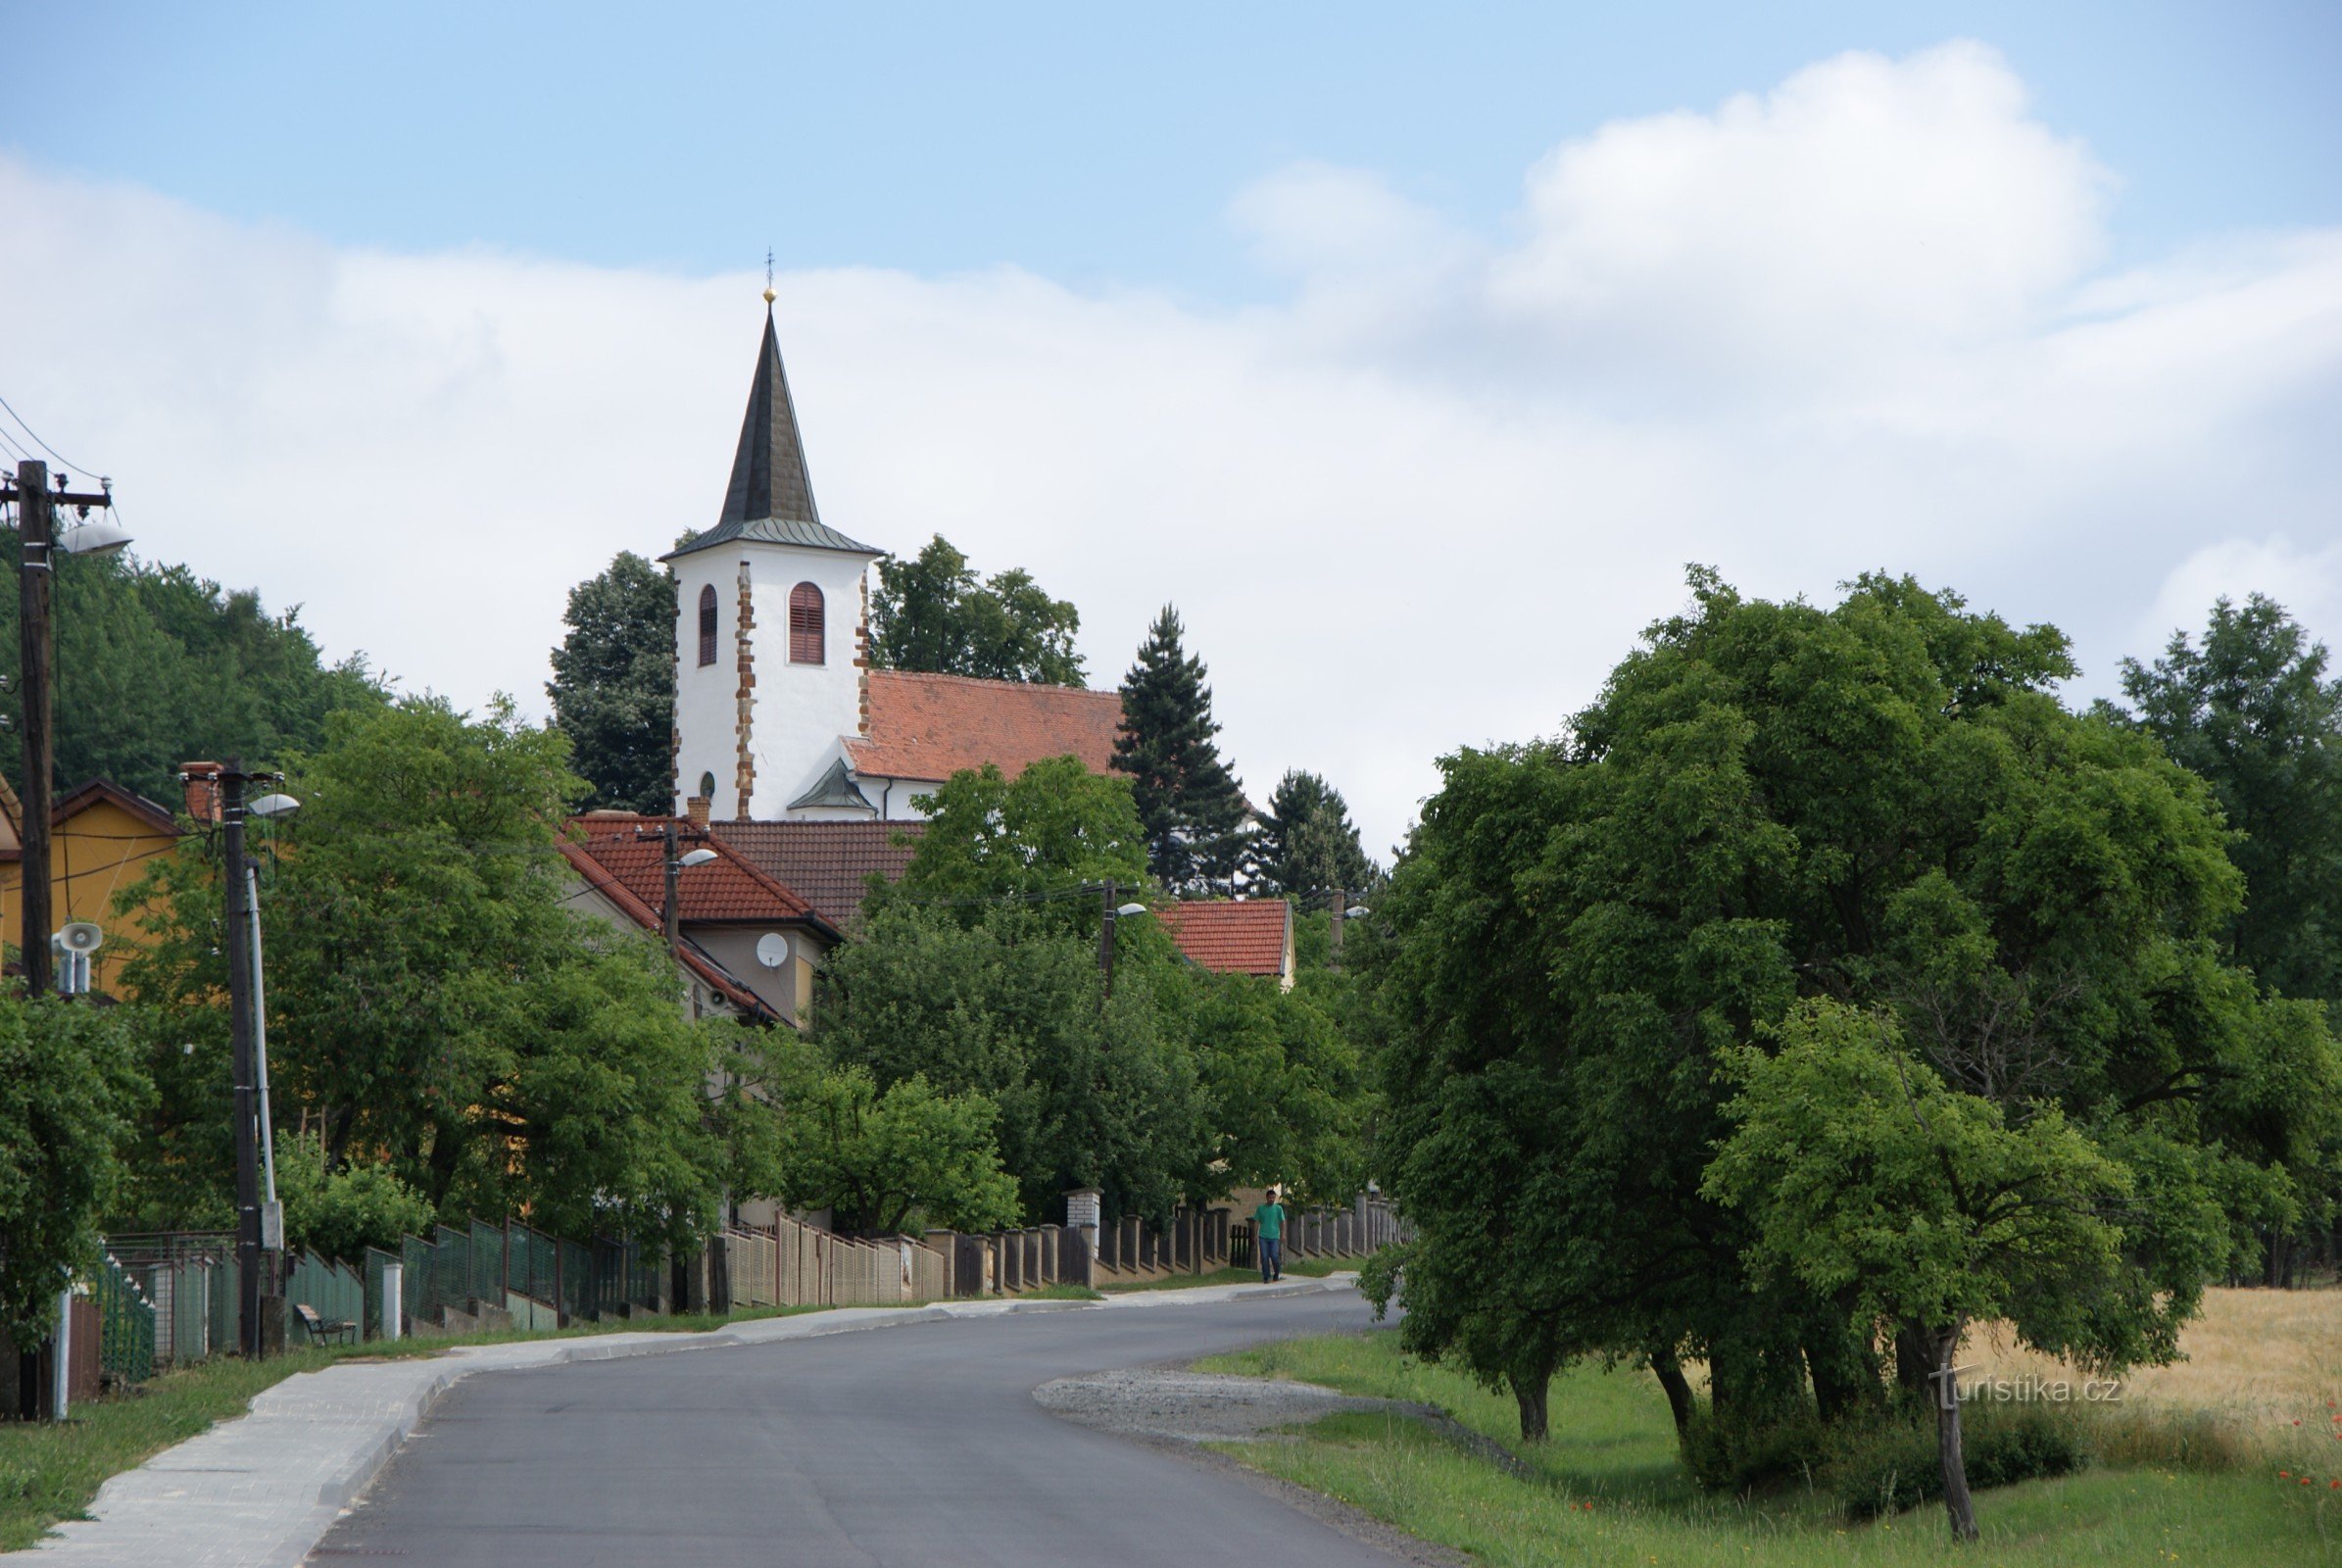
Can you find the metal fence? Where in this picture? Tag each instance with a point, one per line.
(335, 1291)
(125, 1326)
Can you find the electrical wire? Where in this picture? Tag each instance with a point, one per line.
(63, 461)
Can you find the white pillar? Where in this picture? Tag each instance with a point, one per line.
(62, 1372)
(394, 1299)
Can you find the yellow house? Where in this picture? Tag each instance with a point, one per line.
(101, 837)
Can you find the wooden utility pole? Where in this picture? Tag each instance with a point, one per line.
(671, 914)
(239, 1023)
(1105, 941)
(1338, 908)
(33, 526)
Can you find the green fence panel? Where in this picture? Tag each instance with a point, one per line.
(225, 1304)
(488, 1263)
(377, 1261)
(125, 1327)
(332, 1291)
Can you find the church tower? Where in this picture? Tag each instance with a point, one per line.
(772, 633)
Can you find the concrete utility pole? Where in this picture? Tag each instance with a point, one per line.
(670, 915)
(1105, 940)
(1340, 903)
(249, 1331)
(38, 674)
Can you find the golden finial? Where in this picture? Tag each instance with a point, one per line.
(768, 294)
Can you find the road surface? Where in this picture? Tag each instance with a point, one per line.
(919, 1445)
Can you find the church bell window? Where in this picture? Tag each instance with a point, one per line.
(804, 624)
(707, 625)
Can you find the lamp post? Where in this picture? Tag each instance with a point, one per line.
(671, 917)
(35, 501)
(268, 808)
(1108, 911)
(1334, 907)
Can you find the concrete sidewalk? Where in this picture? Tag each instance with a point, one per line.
(261, 1490)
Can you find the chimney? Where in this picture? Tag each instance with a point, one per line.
(697, 808)
(203, 790)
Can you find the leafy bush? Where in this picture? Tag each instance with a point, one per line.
(1890, 1465)
(339, 1215)
(1739, 1457)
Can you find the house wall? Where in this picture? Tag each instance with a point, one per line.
(787, 990)
(93, 854)
(895, 798)
(793, 714)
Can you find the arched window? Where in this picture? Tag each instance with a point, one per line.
(707, 625)
(804, 624)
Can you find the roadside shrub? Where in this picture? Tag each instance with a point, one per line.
(1890, 1465)
(1737, 1457)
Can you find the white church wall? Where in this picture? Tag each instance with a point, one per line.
(706, 695)
(802, 710)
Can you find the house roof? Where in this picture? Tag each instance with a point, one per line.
(95, 792)
(1251, 936)
(694, 957)
(827, 863)
(631, 850)
(932, 726)
(771, 499)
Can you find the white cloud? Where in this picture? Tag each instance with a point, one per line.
(1429, 501)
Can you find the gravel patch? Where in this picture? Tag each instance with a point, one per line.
(1197, 1406)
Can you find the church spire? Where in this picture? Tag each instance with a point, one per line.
(768, 471)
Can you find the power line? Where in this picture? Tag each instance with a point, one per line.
(60, 458)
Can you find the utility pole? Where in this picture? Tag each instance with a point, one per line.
(32, 576)
(670, 919)
(1105, 940)
(36, 505)
(239, 1023)
(1341, 902)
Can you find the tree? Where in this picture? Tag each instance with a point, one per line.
(1188, 803)
(157, 667)
(1870, 1178)
(68, 1086)
(340, 1214)
(1054, 830)
(1881, 804)
(613, 684)
(879, 1161)
(1308, 846)
(1000, 1001)
(435, 1004)
(930, 613)
(2253, 713)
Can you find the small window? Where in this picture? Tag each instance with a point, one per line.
(707, 625)
(804, 624)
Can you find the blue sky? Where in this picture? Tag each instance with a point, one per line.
(1412, 353)
(1097, 145)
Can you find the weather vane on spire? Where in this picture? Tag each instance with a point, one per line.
(768, 275)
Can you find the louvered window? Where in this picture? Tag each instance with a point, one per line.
(804, 624)
(707, 625)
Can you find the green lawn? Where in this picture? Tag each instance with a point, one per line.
(1313, 1268)
(1607, 1490)
(50, 1471)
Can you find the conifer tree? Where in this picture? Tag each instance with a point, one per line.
(1189, 802)
(613, 684)
(1308, 846)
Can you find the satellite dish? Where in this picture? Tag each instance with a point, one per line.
(772, 950)
(81, 936)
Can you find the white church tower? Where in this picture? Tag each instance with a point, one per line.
(772, 633)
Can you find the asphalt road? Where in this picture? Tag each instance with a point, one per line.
(919, 1445)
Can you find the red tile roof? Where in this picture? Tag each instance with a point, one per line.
(933, 726)
(1228, 937)
(630, 850)
(828, 865)
(696, 959)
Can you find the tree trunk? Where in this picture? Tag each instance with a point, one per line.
(1912, 1365)
(1957, 1503)
(1680, 1401)
(1842, 1366)
(1529, 1393)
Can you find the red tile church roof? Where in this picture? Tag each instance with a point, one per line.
(1232, 938)
(932, 726)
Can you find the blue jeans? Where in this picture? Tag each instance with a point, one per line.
(1272, 1257)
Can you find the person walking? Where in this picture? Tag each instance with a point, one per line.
(1268, 1228)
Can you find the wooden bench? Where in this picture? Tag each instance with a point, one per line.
(324, 1330)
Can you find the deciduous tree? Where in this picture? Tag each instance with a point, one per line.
(931, 613)
(613, 684)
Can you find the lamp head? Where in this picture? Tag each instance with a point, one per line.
(272, 807)
(700, 856)
(1131, 909)
(101, 536)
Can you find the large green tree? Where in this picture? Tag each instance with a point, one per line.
(1042, 838)
(932, 613)
(1307, 846)
(613, 684)
(436, 1005)
(1884, 804)
(69, 1085)
(1190, 805)
(158, 667)
(2252, 709)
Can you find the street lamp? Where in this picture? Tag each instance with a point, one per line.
(1109, 912)
(270, 807)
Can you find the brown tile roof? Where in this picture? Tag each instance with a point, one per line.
(694, 957)
(828, 864)
(727, 890)
(932, 726)
(1228, 937)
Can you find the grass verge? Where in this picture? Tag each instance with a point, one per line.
(50, 1471)
(1058, 1292)
(1608, 1490)
(1310, 1268)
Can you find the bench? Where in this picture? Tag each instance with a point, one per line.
(324, 1330)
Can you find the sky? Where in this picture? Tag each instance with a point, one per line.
(1411, 352)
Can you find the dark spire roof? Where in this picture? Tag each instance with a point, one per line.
(771, 499)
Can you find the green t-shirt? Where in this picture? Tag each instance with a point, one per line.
(1270, 1219)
